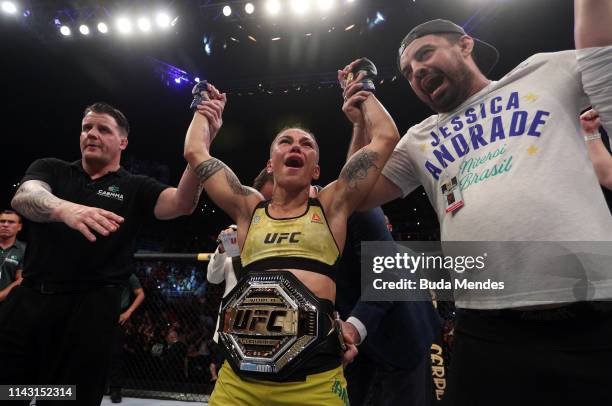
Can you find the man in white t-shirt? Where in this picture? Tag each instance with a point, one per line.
(500, 161)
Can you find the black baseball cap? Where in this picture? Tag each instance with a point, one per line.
(486, 54)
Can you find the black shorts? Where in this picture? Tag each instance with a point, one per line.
(552, 357)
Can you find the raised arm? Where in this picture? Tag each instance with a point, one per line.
(219, 181)
(593, 20)
(361, 171)
(352, 110)
(383, 190)
(35, 200)
(593, 37)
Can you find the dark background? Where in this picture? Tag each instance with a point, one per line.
(47, 81)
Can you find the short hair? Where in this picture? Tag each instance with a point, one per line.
(453, 38)
(105, 108)
(263, 178)
(300, 128)
(9, 211)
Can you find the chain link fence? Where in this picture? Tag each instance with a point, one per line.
(165, 349)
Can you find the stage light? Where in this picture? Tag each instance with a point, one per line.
(83, 29)
(177, 80)
(207, 49)
(378, 19)
(300, 6)
(196, 79)
(350, 27)
(249, 8)
(162, 20)
(102, 27)
(350, 1)
(9, 7)
(252, 38)
(124, 25)
(273, 7)
(227, 11)
(65, 30)
(276, 38)
(325, 5)
(144, 24)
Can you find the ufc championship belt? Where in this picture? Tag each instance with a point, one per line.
(199, 92)
(367, 66)
(271, 323)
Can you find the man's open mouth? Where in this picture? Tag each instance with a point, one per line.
(432, 82)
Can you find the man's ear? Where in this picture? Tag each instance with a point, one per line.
(123, 143)
(466, 43)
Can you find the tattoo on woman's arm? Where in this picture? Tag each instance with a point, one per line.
(208, 168)
(235, 184)
(211, 166)
(358, 167)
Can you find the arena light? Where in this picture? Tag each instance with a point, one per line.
(144, 24)
(300, 7)
(83, 29)
(249, 8)
(162, 20)
(378, 19)
(102, 27)
(124, 25)
(325, 5)
(273, 7)
(9, 7)
(65, 30)
(227, 11)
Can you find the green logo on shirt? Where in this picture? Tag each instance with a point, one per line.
(111, 192)
(340, 391)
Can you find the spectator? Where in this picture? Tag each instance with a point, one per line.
(11, 252)
(131, 297)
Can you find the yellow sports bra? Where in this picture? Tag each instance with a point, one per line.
(303, 242)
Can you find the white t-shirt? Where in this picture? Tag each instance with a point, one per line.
(517, 152)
